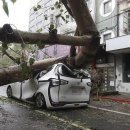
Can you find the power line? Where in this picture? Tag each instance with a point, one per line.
(113, 16)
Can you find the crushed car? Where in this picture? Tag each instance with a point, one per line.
(57, 87)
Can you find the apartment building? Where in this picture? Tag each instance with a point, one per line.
(106, 21)
(113, 22)
(120, 47)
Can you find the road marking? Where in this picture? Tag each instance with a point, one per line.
(123, 113)
(47, 114)
(62, 120)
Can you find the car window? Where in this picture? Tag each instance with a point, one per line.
(81, 74)
(42, 73)
(63, 70)
(50, 68)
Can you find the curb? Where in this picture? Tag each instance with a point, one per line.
(106, 93)
(116, 99)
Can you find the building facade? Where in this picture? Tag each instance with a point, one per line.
(120, 47)
(113, 22)
(107, 23)
(112, 19)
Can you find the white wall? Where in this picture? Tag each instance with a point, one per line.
(120, 85)
(118, 43)
(92, 8)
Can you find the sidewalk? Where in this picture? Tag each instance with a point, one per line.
(121, 97)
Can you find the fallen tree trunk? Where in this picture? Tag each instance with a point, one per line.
(44, 38)
(85, 26)
(14, 73)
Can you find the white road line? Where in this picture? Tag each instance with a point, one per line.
(117, 112)
(62, 120)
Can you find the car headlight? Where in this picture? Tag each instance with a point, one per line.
(63, 82)
(55, 82)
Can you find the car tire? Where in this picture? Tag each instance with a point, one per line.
(40, 101)
(9, 92)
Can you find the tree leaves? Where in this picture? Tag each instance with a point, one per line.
(51, 27)
(13, 1)
(52, 8)
(40, 45)
(4, 45)
(17, 60)
(39, 30)
(57, 5)
(5, 7)
(63, 18)
(31, 61)
(36, 8)
(39, 6)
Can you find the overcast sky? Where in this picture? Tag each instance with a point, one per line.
(18, 14)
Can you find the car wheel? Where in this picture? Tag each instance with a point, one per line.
(9, 91)
(40, 101)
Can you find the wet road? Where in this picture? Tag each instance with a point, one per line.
(16, 115)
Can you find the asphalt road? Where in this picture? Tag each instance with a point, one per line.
(16, 115)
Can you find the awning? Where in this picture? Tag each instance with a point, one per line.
(118, 45)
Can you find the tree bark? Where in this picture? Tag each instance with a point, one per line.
(86, 26)
(44, 38)
(14, 73)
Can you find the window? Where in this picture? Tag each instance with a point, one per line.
(126, 68)
(59, 21)
(63, 70)
(106, 37)
(51, 19)
(129, 21)
(107, 7)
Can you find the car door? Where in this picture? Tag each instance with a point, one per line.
(29, 87)
(16, 89)
(72, 89)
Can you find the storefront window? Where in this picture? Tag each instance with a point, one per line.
(126, 68)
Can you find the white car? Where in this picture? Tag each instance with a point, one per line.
(57, 87)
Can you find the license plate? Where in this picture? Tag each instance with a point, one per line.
(77, 90)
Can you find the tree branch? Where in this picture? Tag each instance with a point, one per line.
(65, 3)
(14, 73)
(44, 38)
